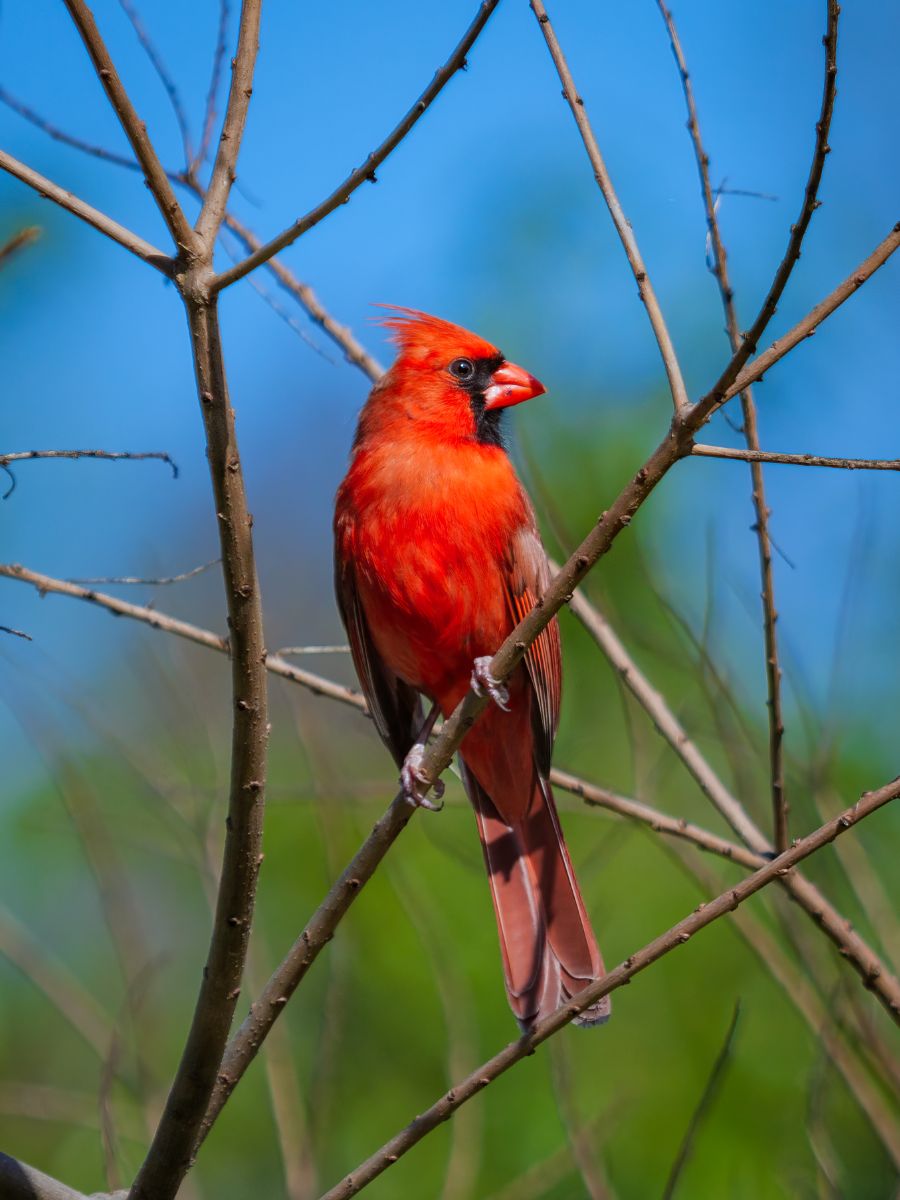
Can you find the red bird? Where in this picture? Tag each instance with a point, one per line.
(437, 558)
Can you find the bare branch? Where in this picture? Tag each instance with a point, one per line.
(209, 119)
(732, 372)
(705, 915)
(159, 581)
(92, 216)
(18, 241)
(216, 200)
(46, 584)
(621, 222)
(16, 633)
(774, 705)
(797, 460)
(25, 455)
(169, 85)
(133, 127)
(343, 193)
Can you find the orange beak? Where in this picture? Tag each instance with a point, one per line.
(511, 385)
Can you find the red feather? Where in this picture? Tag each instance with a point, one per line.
(437, 558)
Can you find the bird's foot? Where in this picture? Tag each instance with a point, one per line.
(415, 783)
(483, 683)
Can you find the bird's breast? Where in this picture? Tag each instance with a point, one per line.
(429, 536)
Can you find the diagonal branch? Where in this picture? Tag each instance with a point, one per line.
(342, 194)
(133, 127)
(224, 169)
(797, 460)
(751, 435)
(705, 915)
(621, 222)
(92, 216)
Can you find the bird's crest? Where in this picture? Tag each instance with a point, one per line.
(419, 333)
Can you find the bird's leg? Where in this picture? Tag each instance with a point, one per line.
(412, 777)
(484, 682)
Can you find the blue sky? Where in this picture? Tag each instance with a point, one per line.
(486, 214)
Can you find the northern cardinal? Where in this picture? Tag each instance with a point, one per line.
(437, 558)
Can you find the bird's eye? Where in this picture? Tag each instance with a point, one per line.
(462, 368)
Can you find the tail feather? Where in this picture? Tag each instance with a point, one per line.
(547, 944)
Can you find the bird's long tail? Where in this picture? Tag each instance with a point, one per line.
(548, 947)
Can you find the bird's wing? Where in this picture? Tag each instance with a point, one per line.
(528, 577)
(395, 707)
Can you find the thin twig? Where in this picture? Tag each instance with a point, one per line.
(621, 222)
(343, 193)
(710, 1090)
(209, 118)
(92, 216)
(25, 237)
(732, 373)
(19, 633)
(132, 126)
(215, 202)
(780, 835)
(797, 460)
(26, 455)
(705, 915)
(312, 650)
(162, 71)
(160, 581)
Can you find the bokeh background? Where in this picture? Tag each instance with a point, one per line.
(114, 739)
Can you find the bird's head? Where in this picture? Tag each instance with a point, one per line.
(451, 378)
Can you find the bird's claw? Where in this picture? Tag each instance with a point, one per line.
(483, 683)
(415, 783)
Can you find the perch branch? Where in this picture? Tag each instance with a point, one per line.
(343, 193)
(774, 705)
(621, 222)
(92, 216)
(705, 915)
